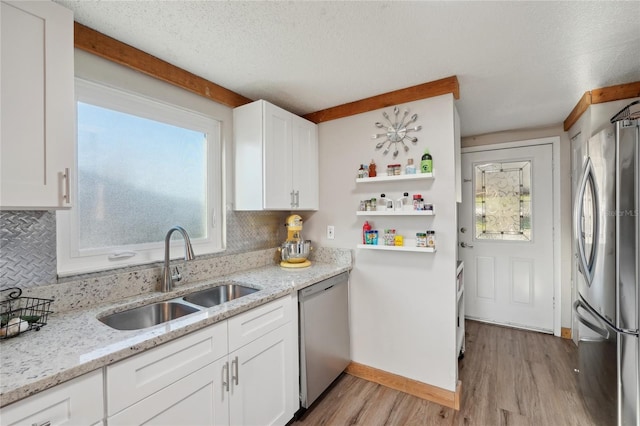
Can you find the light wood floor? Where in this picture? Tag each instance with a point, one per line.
(509, 377)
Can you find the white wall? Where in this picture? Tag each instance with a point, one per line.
(402, 304)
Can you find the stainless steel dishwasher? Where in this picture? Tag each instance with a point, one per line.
(324, 335)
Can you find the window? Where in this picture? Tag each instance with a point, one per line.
(503, 201)
(142, 167)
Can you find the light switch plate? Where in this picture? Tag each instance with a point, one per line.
(331, 232)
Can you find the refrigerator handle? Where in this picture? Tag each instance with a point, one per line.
(602, 331)
(584, 265)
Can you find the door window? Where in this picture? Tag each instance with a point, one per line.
(503, 201)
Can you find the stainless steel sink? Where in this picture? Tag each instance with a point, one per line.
(218, 295)
(147, 316)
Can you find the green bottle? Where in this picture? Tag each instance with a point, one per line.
(426, 165)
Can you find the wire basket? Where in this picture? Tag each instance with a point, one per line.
(21, 314)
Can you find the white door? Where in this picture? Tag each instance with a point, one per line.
(506, 236)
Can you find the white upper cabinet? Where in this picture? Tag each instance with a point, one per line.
(276, 159)
(37, 105)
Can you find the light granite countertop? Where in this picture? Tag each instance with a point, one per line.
(75, 342)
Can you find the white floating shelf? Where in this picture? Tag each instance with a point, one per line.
(396, 213)
(398, 248)
(385, 178)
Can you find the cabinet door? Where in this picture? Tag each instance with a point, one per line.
(37, 141)
(76, 402)
(278, 186)
(136, 378)
(305, 164)
(262, 383)
(197, 399)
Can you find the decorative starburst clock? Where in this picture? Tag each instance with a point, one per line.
(397, 132)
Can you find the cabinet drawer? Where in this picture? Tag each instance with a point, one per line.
(196, 400)
(78, 401)
(134, 379)
(257, 322)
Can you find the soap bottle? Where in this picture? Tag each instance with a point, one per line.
(372, 169)
(382, 204)
(410, 168)
(366, 227)
(403, 203)
(426, 165)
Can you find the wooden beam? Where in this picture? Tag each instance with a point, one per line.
(109, 48)
(599, 96)
(577, 111)
(409, 94)
(615, 93)
(431, 393)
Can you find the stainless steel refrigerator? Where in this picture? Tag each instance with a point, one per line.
(606, 229)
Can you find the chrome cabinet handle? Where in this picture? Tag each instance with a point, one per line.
(297, 198)
(225, 376)
(67, 186)
(47, 423)
(465, 245)
(292, 202)
(234, 374)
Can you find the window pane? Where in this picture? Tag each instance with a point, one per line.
(137, 178)
(503, 201)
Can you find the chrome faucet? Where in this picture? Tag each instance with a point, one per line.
(167, 277)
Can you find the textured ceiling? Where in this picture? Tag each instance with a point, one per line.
(519, 64)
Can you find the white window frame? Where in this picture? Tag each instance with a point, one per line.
(70, 259)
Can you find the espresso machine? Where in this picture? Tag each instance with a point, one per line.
(294, 251)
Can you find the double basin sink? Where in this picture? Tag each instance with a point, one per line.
(160, 312)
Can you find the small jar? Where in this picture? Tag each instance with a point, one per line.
(367, 205)
(374, 204)
(421, 204)
(389, 169)
(398, 240)
(431, 239)
(397, 169)
(363, 205)
(389, 237)
(421, 239)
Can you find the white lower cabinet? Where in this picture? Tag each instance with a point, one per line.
(77, 402)
(261, 378)
(196, 380)
(195, 400)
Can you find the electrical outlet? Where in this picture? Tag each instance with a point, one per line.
(331, 232)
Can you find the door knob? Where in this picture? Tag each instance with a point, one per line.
(465, 245)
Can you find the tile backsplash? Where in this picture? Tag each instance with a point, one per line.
(28, 244)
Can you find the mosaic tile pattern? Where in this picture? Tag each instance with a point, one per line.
(28, 246)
